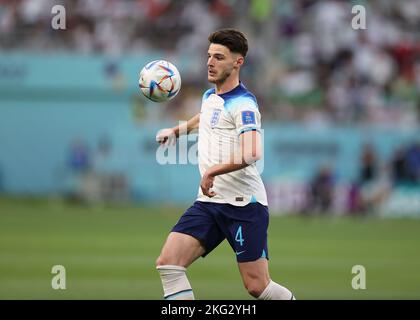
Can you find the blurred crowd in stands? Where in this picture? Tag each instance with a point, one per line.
(373, 185)
(90, 176)
(306, 63)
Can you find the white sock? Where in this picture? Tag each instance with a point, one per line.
(175, 283)
(274, 291)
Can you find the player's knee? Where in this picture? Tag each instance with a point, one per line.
(255, 287)
(162, 261)
(165, 259)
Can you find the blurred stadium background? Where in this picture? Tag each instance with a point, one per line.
(79, 181)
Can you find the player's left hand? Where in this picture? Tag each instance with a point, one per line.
(206, 184)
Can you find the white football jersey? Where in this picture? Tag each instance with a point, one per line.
(223, 118)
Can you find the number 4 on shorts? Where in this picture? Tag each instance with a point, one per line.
(238, 236)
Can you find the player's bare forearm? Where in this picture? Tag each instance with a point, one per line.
(169, 135)
(189, 126)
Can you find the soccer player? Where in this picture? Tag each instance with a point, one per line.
(231, 202)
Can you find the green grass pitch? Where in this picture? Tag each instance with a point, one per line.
(110, 253)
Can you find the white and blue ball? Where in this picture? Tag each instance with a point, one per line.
(159, 81)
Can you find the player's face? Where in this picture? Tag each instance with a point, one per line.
(221, 63)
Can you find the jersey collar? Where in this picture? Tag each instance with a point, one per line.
(237, 91)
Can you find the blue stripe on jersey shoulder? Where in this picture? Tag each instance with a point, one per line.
(251, 96)
(240, 101)
(238, 97)
(208, 93)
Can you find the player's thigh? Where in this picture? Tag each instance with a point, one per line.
(255, 274)
(180, 249)
(246, 230)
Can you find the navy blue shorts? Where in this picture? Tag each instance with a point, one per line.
(244, 227)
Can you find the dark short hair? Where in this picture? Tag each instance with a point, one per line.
(231, 38)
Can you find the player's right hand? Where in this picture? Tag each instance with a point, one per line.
(206, 184)
(166, 136)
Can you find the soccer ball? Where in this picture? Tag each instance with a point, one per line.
(159, 81)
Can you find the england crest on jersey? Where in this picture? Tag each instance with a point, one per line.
(215, 117)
